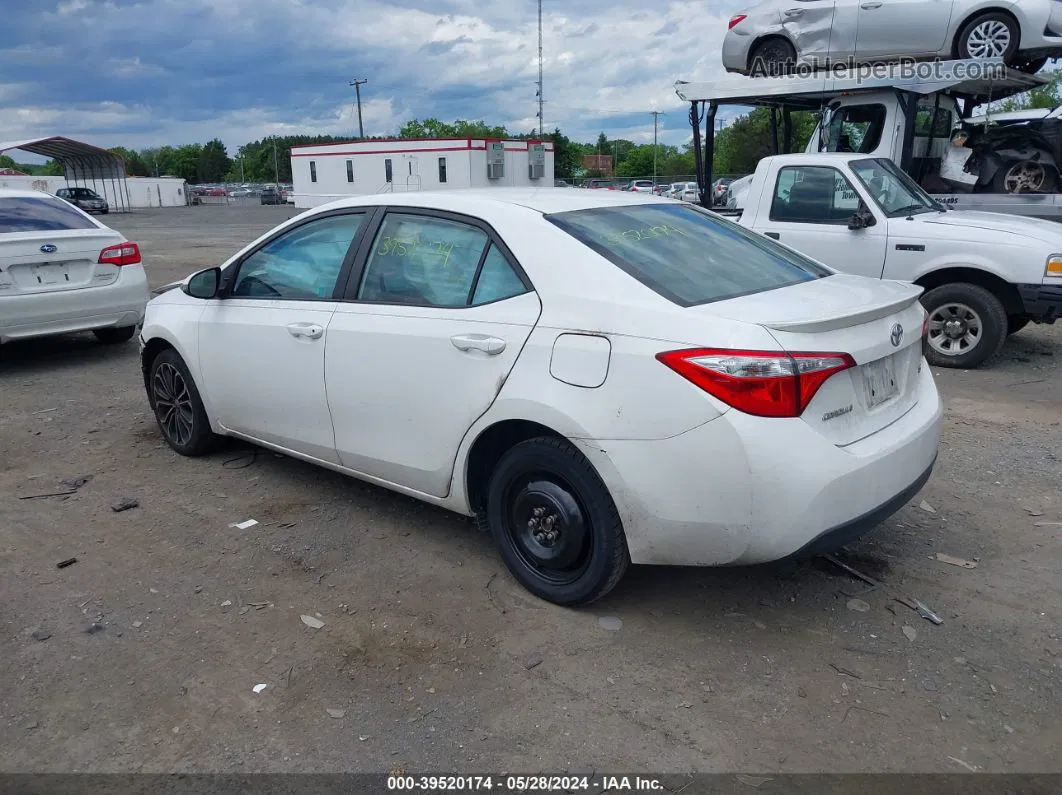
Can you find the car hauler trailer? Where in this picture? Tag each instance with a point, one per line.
(906, 112)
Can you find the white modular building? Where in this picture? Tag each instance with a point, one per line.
(325, 172)
(132, 193)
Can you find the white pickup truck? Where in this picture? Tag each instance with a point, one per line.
(984, 275)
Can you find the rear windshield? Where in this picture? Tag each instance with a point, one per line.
(32, 214)
(686, 254)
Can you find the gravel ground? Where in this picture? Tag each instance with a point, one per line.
(143, 656)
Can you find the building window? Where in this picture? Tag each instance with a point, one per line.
(442, 169)
(387, 170)
(313, 171)
(350, 171)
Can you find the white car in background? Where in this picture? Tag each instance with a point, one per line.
(769, 37)
(62, 271)
(690, 193)
(640, 186)
(675, 189)
(682, 391)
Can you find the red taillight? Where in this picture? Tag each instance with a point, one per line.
(737, 19)
(120, 254)
(762, 383)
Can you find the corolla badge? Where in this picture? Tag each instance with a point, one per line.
(896, 336)
(48, 248)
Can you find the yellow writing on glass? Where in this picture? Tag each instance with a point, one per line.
(647, 233)
(399, 247)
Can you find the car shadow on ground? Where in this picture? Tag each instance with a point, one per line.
(48, 354)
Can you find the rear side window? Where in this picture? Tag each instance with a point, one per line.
(685, 254)
(44, 214)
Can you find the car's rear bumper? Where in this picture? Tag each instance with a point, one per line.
(115, 305)
(1042, 302)
(741, 489)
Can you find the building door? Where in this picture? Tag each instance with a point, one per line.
(412, 172)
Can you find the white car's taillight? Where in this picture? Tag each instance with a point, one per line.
(762, 383)
(120, 254)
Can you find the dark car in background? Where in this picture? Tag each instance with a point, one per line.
(272, 195)
(88, 200)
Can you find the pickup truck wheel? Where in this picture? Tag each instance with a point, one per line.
(967, 325)
(1016, 323)
(991, 35)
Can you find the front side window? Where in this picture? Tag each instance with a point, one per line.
(423, 260)
(43, 214)
(895, 192)
(686, 254)
(928, 121)
(302, 264)
(813, 195)
(313, 171)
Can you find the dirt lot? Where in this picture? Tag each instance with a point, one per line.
(142, 655)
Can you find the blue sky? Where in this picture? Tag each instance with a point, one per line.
(147, 72)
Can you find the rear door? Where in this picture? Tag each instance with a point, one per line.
(809, 210)
(47, 245)
(434, 322)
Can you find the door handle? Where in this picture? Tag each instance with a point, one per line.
(793, 12)
(310, 331)
(491, 346)
(871, 4)
(774, 235)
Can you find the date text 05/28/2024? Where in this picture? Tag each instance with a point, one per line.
(506, 783)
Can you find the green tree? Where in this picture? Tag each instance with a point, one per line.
(134, 165)
(566, 158)
(1047, 96)
(433, 128)
(741, 145)
(8, 162)
(53, 168)
(213, 162)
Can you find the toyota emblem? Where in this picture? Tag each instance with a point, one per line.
(896, 337)
(48, 248)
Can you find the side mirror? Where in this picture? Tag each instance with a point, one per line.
(203, 284)
(862, 218)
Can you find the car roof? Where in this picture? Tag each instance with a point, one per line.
(22, 193)
(477, 200)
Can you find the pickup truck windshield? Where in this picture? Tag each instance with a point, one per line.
(685, 254)
(895, 192)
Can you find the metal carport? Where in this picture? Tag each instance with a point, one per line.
(83, 164)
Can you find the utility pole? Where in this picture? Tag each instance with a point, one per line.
(656, 116)
(242, 179)
(276, 170)
(358, 83)
(540, 98)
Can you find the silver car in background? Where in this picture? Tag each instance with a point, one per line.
(770, 37)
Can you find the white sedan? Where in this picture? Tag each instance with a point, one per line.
(61, 271)
(599, 377)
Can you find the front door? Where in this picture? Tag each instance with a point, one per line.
(440, 312)
(902, 27)
(810, 211)
(262, 345)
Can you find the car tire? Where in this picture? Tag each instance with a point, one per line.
(1027, 176)
(177, 406)
(115, 336)
(771, 58)
(1016, 323)
(555, 523)
(967, 325)
(986, 31)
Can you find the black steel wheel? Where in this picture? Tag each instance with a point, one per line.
(115, 336)
(555, 523)
(771, 58)
(178, 408)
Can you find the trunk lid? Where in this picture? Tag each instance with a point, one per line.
(28, 263)
(853, 315)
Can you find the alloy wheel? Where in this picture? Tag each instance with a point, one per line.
(173, 404)
(1025, 177)
(954, 329)
(990, 39)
